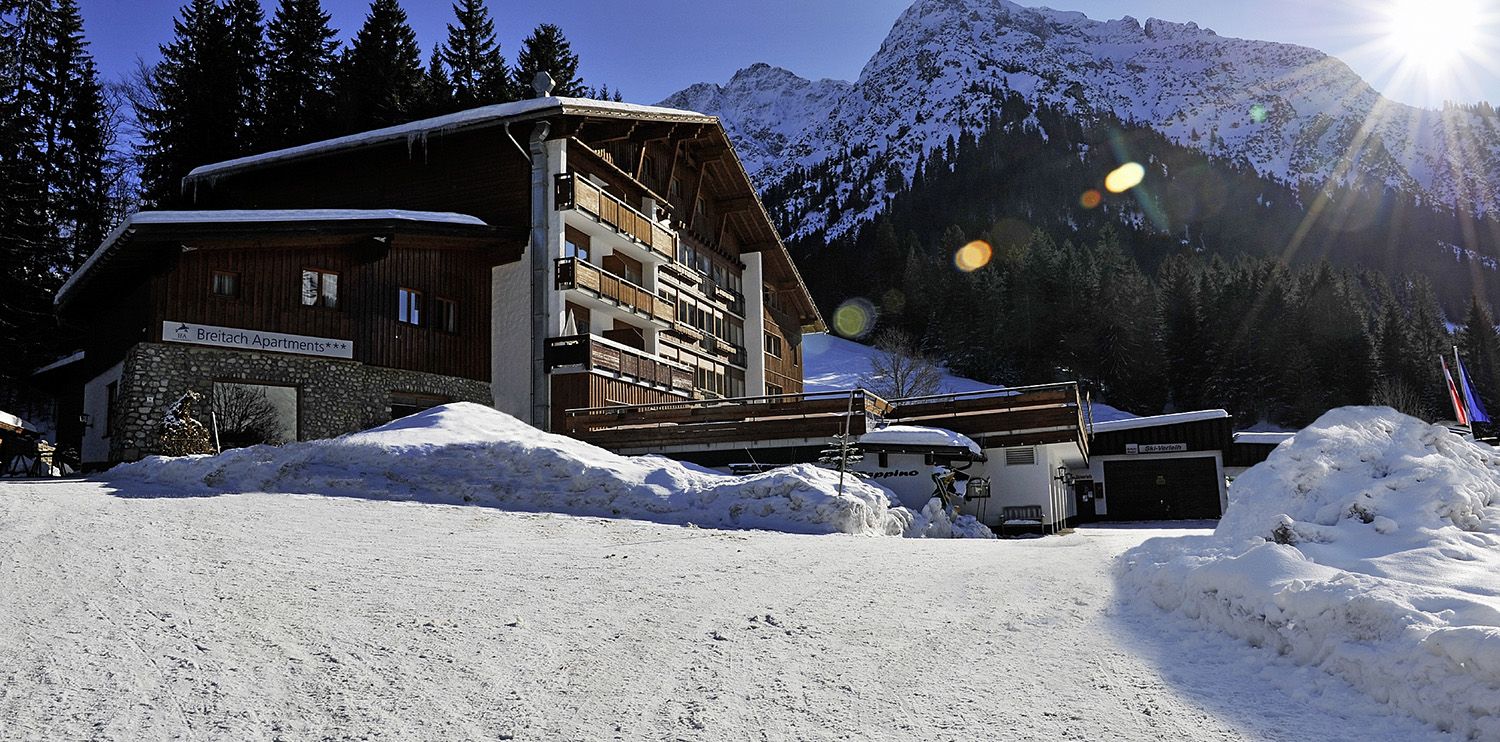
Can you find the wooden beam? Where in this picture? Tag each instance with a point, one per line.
(738, 203)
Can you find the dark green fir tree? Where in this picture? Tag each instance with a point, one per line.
(547, 50)
(302, 55)
(380, 79)
(476, 70)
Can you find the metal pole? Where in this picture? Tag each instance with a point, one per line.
(844, 442)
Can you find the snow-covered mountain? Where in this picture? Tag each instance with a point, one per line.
(1292, 113)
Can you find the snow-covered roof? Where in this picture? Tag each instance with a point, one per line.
(1263, 439)
(1156, 421)
(917, 436)
(15, 422)
(254, 216)
(71, 358)
(240, 216)
(517, 110)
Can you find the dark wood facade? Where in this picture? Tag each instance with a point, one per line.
(166, 274)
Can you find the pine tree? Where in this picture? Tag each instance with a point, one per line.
(196, 110)
(302, 55)
(546, 50)
(437, 87)
(245, 55)
(476, 70)
(380, 78)
(55, 135)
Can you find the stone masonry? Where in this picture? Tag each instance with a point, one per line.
(334, 396)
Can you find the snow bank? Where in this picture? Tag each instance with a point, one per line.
(1368, 545)
(469, 453)
(918, 436)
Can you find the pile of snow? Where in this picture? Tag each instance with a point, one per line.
(919, 436)
(833, 364)
(1368, 545)
(469, 453)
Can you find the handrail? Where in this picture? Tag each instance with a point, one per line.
(1009, 391)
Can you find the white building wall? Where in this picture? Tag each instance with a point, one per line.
(96, 406)
(755, 324)
(1027, 484)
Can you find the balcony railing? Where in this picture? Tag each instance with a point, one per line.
(597, 354)
(574, 192)
(572, 273)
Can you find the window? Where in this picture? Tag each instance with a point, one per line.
(772, 390)
(410, 403)
(226, 284)
(674, 191)
(773, 345)
(648, 167)
(409, 306)
(446, 315)
(320, 288)
(577, 244)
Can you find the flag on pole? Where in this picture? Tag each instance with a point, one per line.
(1472, 405)
(1458, 404)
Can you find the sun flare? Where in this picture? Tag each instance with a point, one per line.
(1435, 34)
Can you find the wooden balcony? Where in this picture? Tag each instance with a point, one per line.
(598, 354)
(574, 192)
(572, 273)
(750, 419)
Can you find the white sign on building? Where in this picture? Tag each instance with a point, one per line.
(269, 342)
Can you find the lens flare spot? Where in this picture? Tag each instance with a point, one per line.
(854, 318)
(1125, 177)
(973, 256)
(1091, 199)
(1258, 113)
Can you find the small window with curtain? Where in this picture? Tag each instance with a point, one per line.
(409, 306)
(445, 315)
(320, 288)
(225, 284)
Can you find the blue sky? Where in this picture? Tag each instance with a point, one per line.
(651, 48)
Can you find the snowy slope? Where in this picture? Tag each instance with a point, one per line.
(945, 63)
(469, 453)
(1368, 546)
(832, 364)
(251, 616)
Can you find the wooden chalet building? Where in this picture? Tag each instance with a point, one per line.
(539, 256)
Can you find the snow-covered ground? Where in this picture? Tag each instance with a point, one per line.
(1367, 546)
(132, 614)
(832, 364)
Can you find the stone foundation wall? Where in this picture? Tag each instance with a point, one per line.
(334, 397)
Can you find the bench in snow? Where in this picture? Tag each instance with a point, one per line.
(1020, 515)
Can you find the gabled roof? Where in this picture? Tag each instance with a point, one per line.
(198, 222)
(524, 110)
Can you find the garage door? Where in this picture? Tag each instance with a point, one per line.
(1162, 489)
